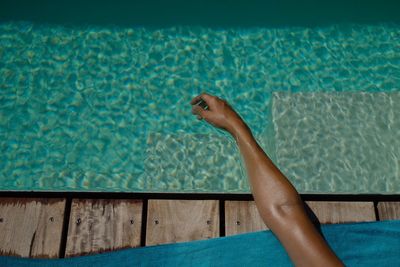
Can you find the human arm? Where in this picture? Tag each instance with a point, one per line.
(277, 201)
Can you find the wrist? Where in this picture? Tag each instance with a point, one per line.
(239, 128)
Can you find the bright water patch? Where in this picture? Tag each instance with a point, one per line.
(193, 162)
(79, 106)
(339, 142)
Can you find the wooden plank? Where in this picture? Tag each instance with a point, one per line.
(342, 212)
(242, 217)
(389, 210)
(98, 225)
(31, 227)
(170, 221)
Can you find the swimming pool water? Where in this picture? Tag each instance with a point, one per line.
(107, 108)
(347, 140)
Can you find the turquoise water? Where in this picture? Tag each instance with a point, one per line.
(107, 108)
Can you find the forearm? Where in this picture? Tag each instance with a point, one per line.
(270, 188)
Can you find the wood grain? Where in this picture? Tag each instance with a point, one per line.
(98, 225)
(389, 210)
(329, 212)
(171, 221)
(31, 227)
(242, 217)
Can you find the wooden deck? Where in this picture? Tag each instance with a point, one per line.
(58, 227)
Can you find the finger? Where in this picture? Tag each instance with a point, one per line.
(200, 112)
(206, 97)
(197, 110)
(195, 99)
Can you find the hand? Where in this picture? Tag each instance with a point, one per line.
(220, 114)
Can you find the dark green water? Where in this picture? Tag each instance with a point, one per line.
(217, 13)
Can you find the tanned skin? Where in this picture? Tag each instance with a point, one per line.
(277, 201)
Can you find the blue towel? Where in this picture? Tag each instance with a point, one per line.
(357, 244)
